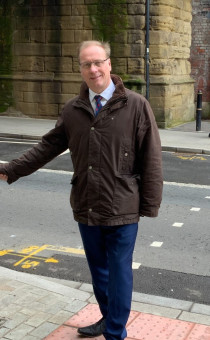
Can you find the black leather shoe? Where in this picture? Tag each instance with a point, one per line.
(93, 330)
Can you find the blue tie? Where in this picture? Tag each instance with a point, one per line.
(98, 104)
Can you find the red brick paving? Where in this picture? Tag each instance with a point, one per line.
(140, 326)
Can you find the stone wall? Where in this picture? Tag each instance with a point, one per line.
(45, 67)
(172, 93)
(200, 52)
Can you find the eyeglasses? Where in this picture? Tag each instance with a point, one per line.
(87, 64)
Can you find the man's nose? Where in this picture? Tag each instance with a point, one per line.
(93, 67)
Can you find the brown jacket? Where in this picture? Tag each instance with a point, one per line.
(116, 157)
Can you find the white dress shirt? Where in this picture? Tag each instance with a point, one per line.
(106, 95)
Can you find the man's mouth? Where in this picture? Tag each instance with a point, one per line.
(96, 77)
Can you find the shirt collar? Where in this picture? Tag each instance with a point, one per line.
(106, 94)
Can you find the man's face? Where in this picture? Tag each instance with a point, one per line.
(97, 77)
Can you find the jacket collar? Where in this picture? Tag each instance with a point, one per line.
(119, 89)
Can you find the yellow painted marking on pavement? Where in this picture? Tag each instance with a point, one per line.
(51, 260)
(189, 157)
(4, 252)
(31, 254)
(29, 249)
(29, 258)
(29, 264)
(66, 250)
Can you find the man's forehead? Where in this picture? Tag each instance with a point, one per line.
(92, 50)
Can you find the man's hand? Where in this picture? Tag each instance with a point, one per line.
(3, 177)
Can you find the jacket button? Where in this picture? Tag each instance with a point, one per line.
(90, 209)
(92, 128)
(126, 154)
(90, 167)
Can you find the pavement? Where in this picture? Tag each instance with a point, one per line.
(36, 307)
(183, 138)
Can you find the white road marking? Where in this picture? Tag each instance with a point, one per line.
(60, 172)
(208, 197)
(177, 224)
(29, 143)
(156, 244)
(187, 185)
(136, 265)
(65, 152)
(195, 209)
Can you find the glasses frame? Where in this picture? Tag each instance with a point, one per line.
(86, 65)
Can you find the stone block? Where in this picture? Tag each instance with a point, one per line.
(81, 35)
(60, 36)
(76, 68)
(136, 2)
(29, 109)
(18, 95)
(14, 322)
(49, 110)
(62, 64)
(121, 50)
(165, 52)
(136, 66)
(36, 11)
(168, 11)
(195, 318)
(32, 49)
(19, 332)
(37, 36)
(73, 22)
(122, 37)
(136, 22)
(44, 329)
(87, 24)
(70, 49)
(26, 86)
(70, 88)
(51, 87)
(79, 10)
(72, 2)
(57, 10)
(136, 36)
(37, 319)
(164, 37)
(29, 63)
(47, 98)
(135, 9)
(119, 65)
(60, 317)
(172, 3)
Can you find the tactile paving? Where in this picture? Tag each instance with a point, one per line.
(199, 332)
(140, 326)
(153, 327)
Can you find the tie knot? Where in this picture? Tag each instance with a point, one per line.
(98, 99)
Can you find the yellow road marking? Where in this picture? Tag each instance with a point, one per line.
(186, 157)
(51, 260)
(31, 254)
(66, 250)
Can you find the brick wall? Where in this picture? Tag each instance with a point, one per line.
(200, 51)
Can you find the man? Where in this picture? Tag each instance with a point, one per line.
(116, 154)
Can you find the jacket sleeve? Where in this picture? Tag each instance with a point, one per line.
(150, 163)
(52, 144)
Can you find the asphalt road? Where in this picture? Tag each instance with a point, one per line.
(171, 258)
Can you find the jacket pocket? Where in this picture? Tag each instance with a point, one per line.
(74, 196)
(126, 199)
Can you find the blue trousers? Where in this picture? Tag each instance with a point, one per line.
(109, 252)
